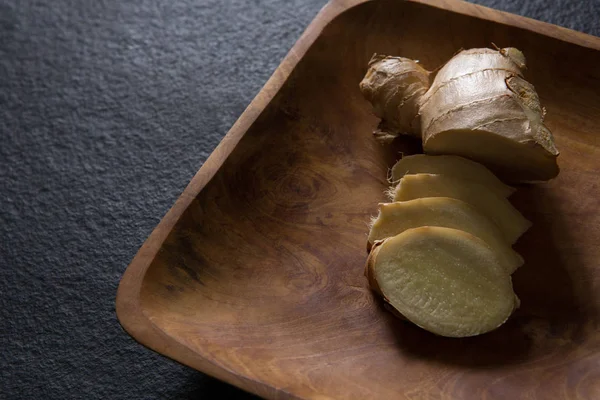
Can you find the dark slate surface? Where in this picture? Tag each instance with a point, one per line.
(107, 110)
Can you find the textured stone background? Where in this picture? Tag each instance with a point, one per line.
(108, 108)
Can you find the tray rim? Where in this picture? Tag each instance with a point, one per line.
(129, 310)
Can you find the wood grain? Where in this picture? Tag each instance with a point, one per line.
(255, 275)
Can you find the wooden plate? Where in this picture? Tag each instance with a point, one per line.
(255, 276)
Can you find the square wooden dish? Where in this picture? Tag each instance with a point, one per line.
(255, 276)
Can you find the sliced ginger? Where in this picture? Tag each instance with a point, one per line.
(444, 280)
(499, 210)
(395, 218)
(453, 166)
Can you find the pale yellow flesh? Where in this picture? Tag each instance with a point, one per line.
(499, 210)
(444, 280)
(395, 218)
(450, 165)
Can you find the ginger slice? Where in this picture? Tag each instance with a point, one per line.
(395, 218)
(444, 280)
(453, 166)
(499, 210)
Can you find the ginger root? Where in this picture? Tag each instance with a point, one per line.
(478, 106)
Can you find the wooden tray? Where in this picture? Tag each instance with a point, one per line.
(255, 276)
